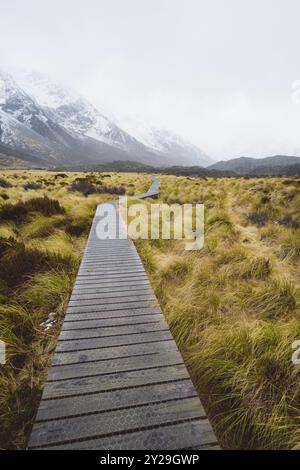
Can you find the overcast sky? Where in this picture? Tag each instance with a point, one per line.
(219, 72)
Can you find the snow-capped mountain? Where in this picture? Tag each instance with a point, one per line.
(56, 125)
(23, 125)
(175, 149)
(16, 103)
(38, 131)
(17, 136)
(78, 116)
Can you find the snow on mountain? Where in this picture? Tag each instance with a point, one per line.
(69, 129)
(133, 136)
(25, 126)
(15, 102)
(19, 138)
(75, 113)
(47, 93)
(65, 135)
(175, 149)
(7, 128)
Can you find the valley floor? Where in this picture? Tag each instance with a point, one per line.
(233, 307)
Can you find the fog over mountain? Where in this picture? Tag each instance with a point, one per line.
(57, 126)
(223, 75)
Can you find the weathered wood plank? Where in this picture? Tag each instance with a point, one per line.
(116, 330)
(114, 399)
(108, 293)
(115, 255)
(109, 322)
(117, 286)
(85, 344)
(111, 277)
(84, 385)
(102, 367)
(131, 297)
(114, 283)
(80, 316)
(111, 422)
(113, 352)
(196, 434)
(111, 314)
(110, 273)
(110, 283)
(115, 306)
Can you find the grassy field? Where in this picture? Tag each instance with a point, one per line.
(233, 307)
(45, 218)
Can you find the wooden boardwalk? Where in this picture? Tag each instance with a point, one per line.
(117, 379)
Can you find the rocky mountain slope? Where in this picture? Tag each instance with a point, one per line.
(175, 149)
(58, 127)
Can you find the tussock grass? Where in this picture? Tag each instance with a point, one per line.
(19, 211)
(177, 271)
(48, 291)
(43, 232)
(4, 183)
(233, 308)
(275, 300)
(290, 245)
(246, 379)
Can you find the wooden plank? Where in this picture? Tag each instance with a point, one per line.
(103, 367)
(105, 247)
(111, 299)
(110, 272)
(111, 262)
(111, 259)
(113, 304)
(108, 293)
(102, 258)
(196, 434)
(116, 306)
(113, 330)
(111, 314)
(113, 352)
(85, 385)
(112, 265)
(110, 277)
(114, 399)
(85, 344)
(111, 287)
(106, 282)
(111, 422)
(109, 322)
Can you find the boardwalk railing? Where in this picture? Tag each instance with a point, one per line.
(117, 379)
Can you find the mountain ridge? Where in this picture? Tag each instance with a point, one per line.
(246, 165)
(60, 127)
